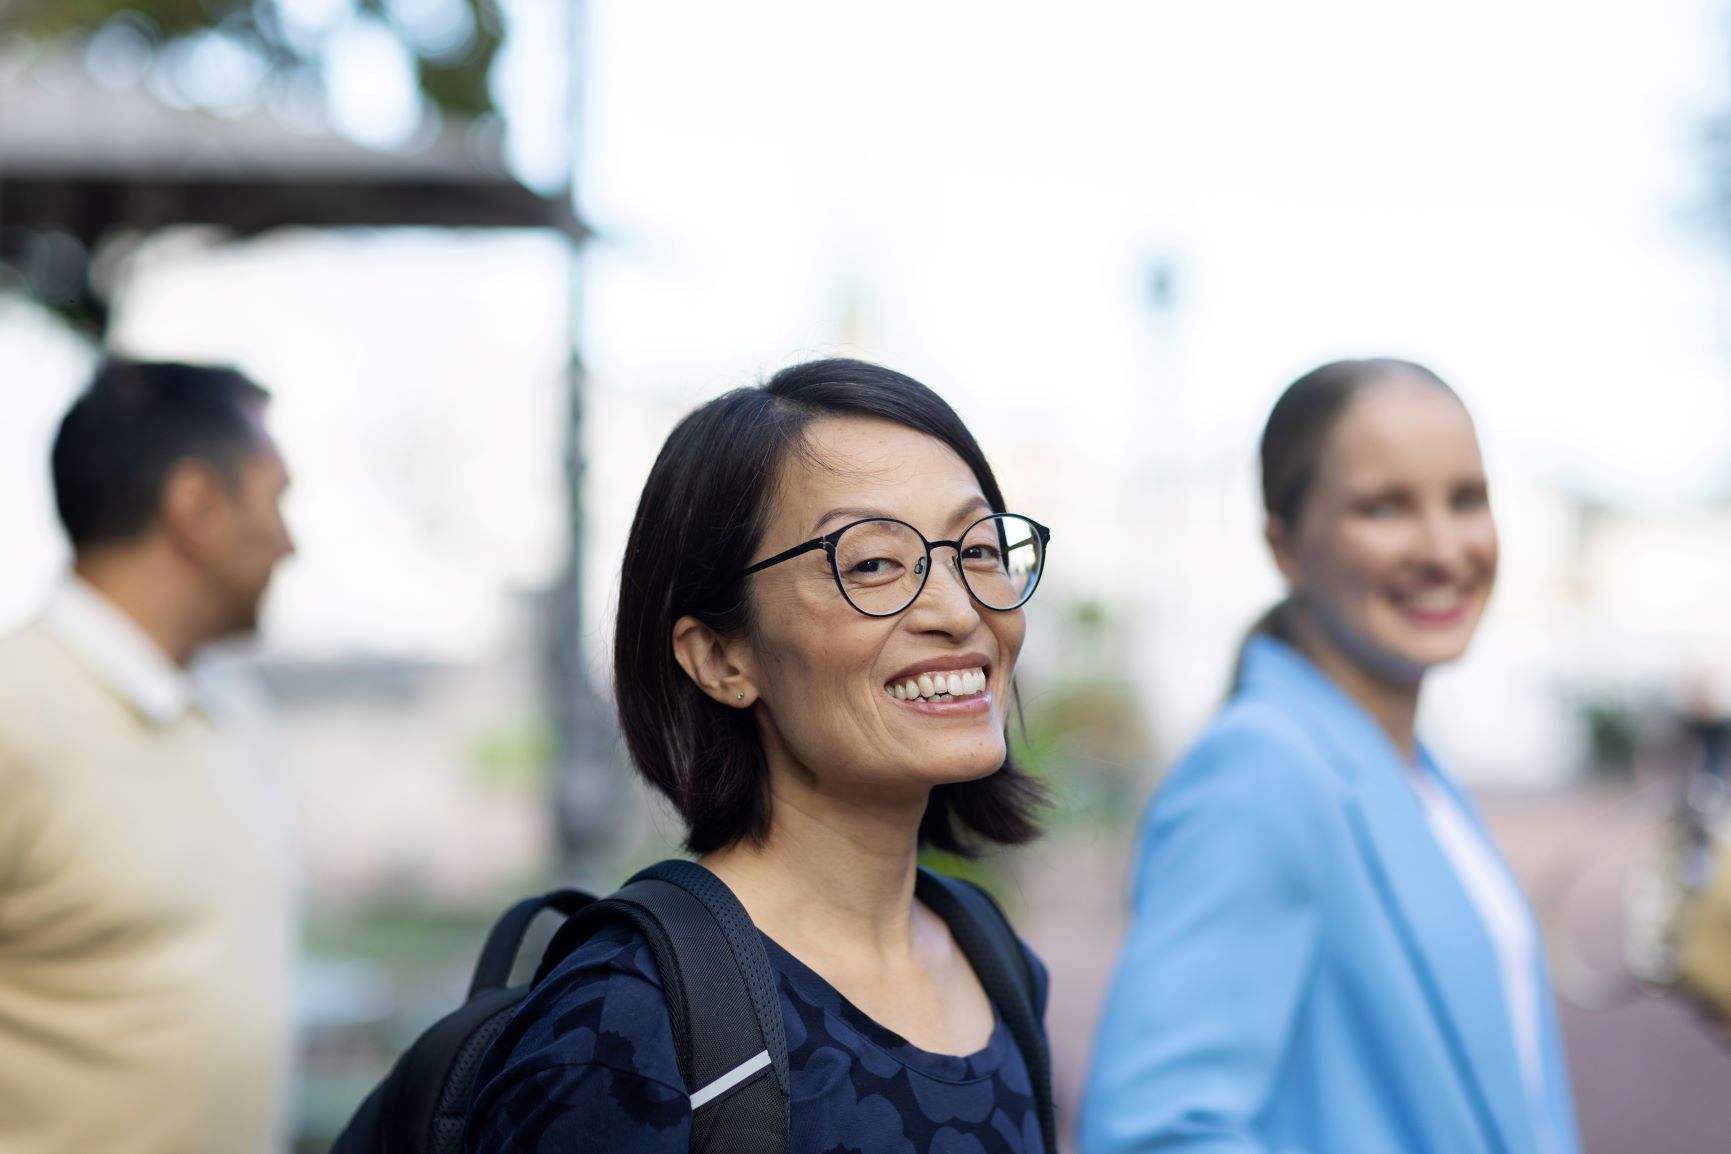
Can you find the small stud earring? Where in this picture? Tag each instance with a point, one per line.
(741, 696)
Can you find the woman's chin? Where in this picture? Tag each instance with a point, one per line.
(1414, 649)
(1407, 664)
(955, 770)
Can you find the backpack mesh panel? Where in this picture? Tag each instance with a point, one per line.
(446, 1136)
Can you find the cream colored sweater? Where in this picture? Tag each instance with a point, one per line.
(146, 921)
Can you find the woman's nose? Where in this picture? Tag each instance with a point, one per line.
(946, 592)
(1444, 538)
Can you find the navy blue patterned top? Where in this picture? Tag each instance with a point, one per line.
(588, 1066)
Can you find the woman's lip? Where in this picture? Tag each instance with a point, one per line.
(1434, 618)
(952, 663)
(1464, 602)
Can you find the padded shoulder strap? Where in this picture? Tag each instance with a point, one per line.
(992, 948)
(499, 954)
(743, 942)
(721, 1000)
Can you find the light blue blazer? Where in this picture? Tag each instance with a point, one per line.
(1304, 973)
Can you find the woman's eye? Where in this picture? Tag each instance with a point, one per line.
(875, 567)
(982, 555)
(1469, 499)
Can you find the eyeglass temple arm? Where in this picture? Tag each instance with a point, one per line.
(785, 555)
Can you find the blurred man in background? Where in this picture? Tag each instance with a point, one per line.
(146, 897)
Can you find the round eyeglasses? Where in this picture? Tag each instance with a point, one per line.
(881, 564)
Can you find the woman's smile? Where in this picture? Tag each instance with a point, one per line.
(944, 687)
(1437, 605)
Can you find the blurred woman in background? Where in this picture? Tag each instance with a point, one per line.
(1327, 952)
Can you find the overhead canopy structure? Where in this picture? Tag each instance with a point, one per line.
(82, 163)
(87, 160)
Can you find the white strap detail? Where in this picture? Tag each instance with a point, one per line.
(729, 1080)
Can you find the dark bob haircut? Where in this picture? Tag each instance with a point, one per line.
(699, 522)
(130, 427)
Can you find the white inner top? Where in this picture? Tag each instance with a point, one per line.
(1503, 910)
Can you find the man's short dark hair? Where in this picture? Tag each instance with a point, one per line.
(699, 521)
(130, 427)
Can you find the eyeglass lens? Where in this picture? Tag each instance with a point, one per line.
(881, 564)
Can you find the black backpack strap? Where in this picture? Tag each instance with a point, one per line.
(419, 1106)
(992, 948)
(721, 997)
(505, 940)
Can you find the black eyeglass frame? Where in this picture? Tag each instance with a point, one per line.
(827, 543)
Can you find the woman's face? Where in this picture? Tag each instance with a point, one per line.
(824, 675)
(1395, 551)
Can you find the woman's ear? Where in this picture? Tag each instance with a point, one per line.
(1281, 545)
(721, 666)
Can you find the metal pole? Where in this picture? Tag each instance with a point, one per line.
(588, 785)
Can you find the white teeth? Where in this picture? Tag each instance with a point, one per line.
(1434, 600)
(940, 686)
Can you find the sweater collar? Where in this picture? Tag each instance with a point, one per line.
(119, 652)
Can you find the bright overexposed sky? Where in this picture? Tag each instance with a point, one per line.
(1510, 191)
(977, 193)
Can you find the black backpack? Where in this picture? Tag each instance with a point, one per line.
(721, 997)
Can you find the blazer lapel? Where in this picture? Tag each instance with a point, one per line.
(1447, 943)
(1558, 1102)
(1450, 949)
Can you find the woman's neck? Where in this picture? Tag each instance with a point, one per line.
(832, 875)
(1392, 703)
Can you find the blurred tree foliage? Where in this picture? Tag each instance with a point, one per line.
(1090, 743)
(453, 42)
(1086, 734)
(1613, 735)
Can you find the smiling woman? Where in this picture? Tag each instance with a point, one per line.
(1327, 951)
(820, 613)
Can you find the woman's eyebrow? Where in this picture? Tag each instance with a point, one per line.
(853, 512)
(971, 505)
(1388, 491)
(861, 513)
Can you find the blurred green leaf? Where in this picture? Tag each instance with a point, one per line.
(515, 756)
(454, 83)
(1089, 742)
(48, 19)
